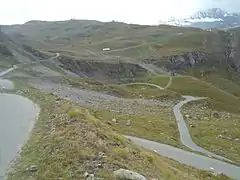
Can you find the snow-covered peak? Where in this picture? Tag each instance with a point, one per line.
(211, 18)
(210, 13)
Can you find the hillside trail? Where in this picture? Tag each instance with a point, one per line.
(152, 85)
(16, 66)
(130, 47)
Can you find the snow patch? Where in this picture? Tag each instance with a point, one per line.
(206, 19)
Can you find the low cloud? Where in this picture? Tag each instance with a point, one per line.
(130, 11)
(228, 5)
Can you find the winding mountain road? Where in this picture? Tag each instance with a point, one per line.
(180, 155)
(183, 130)
(16, 66)
(182, 127)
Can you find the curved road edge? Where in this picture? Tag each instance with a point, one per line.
(182, 126)
(184, 132)
(189, 158)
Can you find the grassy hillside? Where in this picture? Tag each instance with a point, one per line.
(89, 37)
(68, 141)
(83, 39)
(220, 99)
(217, 131)
(213, 123)
(68, 138)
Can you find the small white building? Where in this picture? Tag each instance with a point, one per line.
(106, 49)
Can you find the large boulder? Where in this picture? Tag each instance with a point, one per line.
(128, 175)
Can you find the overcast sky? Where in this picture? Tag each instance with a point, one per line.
(130, 11)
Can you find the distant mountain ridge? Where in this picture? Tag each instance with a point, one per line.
(211, 18)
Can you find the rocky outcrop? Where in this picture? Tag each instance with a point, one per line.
(181, 61)
(186, 60)
(231, 52)
(103, 70)
(128, 175)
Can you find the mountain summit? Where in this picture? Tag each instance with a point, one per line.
(211, 18)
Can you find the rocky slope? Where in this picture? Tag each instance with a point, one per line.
(103, 70)
(181, 61)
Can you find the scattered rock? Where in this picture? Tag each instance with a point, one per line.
(203, 107)
(130, 175)
(52, 116)
(220, 136)
(237, 139)
(85, 174)
(192, 126)
(205, 118)
(99, 165)
(128, 123)
(91, 177)
(32, 168)
(114, 120)
(216, 115)
(187, 116)
(109, 123)
(58, 99)
(101, 154)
